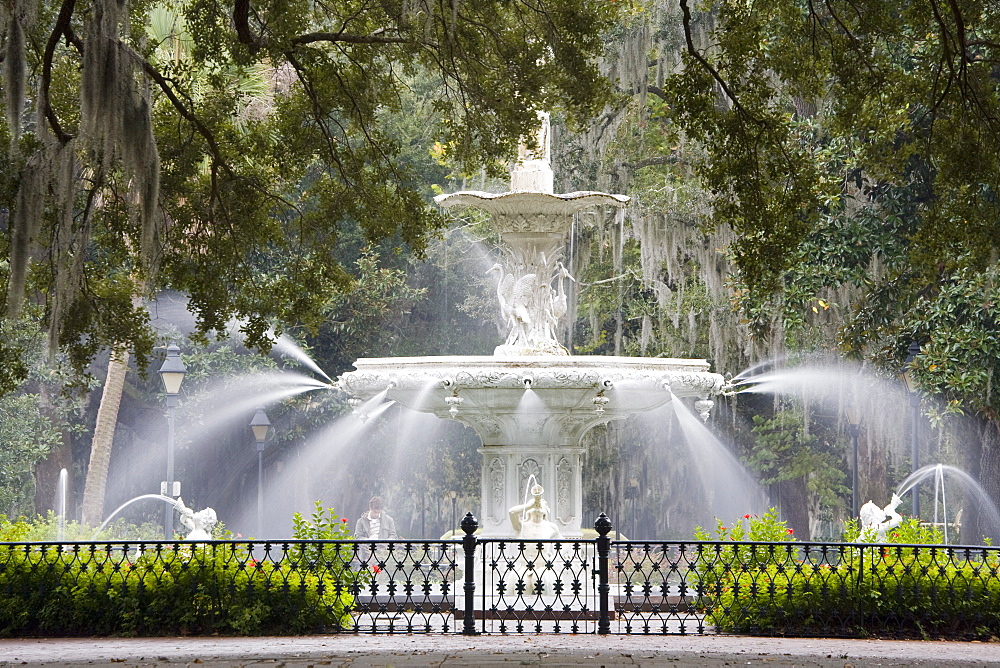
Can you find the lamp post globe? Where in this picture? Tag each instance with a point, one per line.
(172, 376)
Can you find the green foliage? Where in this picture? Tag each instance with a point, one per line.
(47, 528)
(716, 559)
(27, 435)
(369, 320)
(958, 327)
(37, 416)
(909, 532)
(324, 525)
(199, 589)
(134, 589)
(799, 78)
(757, 528)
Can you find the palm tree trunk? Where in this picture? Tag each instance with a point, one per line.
(104, 436)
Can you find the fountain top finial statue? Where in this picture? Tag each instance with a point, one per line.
(533, 172)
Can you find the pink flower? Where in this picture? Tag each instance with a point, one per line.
(790, 531)
(344, 520)
(723, 528)
(747, 516)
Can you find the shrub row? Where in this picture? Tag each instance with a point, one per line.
(905, 597)
(912, 586)
(142, 590)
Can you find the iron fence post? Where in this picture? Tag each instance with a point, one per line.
(469, 526)
(603, 527)
(860, 589)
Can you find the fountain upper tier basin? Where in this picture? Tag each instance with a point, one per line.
(494, 394)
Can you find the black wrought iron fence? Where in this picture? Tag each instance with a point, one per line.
(472, 586)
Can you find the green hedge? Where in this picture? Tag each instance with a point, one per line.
(872, 590)
(198, 589)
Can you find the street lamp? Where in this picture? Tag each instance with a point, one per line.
(260, 426)
(171, 375)
(854, 420)
(454, 506)
(911, 387)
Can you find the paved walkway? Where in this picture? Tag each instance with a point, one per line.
(491, 651)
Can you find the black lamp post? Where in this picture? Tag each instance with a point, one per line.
(854, 420)
(171, 375)
(911, 387)
(454, 507)
(260, 426)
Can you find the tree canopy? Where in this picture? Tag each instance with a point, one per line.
(222, 150)
(818, 105)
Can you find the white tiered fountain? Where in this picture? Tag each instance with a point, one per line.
(531, 402)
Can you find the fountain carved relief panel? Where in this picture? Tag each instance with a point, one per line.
(564, 491)
(497, 501)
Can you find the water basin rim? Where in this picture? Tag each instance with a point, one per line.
(451, 199)
(540, 361)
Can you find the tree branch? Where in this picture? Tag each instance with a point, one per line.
(657, 91)
(693, 52)
(858, 47)
(241, 22)
(312, 37)
(653, 161)
(963, 47)
(61, 27)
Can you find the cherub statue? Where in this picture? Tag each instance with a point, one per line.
(199, 523)
(876, 521)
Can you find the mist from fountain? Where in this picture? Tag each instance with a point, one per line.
(286, 347)
(882, 405)
(244, 393)
(973, 492)
(323, 456)
(731, 490)
(531, 403)
(832, 382)
(413, 436)
(114, 513)
(60, 504)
